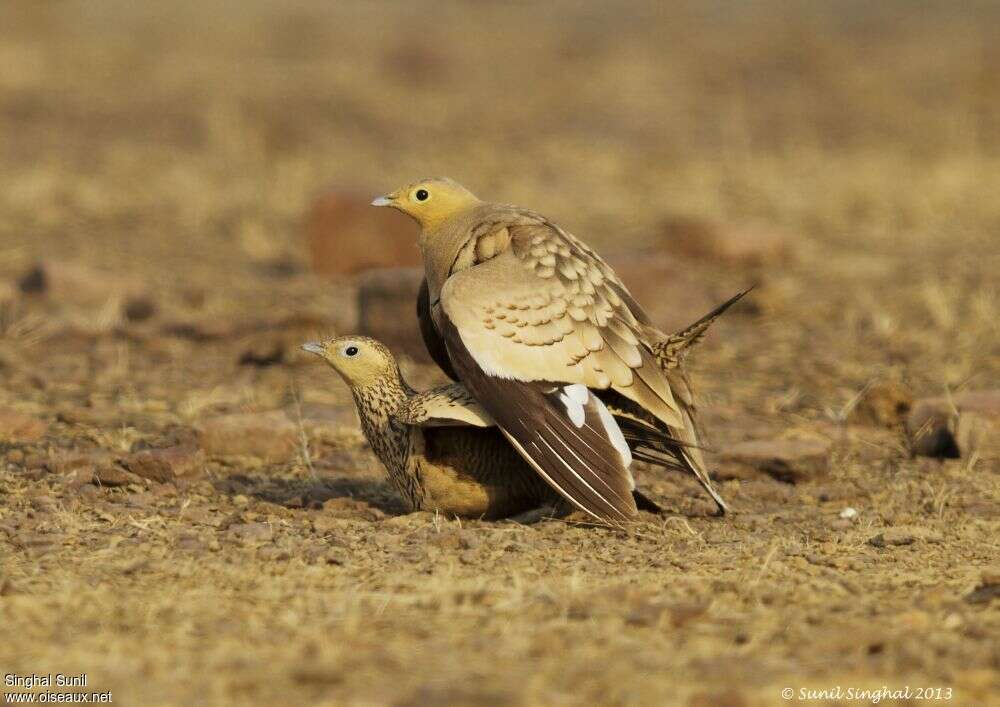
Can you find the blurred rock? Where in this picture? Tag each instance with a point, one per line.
(988, 589)
(139, 309)
(789, 460)
(727, 243)
(966, 424)
(168, 464)
(348, 235)
(387, 305)
(110, 474)
(270, 436)
(882, 404)
(18, 428)
(904, 535)
(263, 354)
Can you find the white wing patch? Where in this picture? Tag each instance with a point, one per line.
(575, 398)
(616, 437)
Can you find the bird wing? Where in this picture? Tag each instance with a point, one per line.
(444, 406)
(547, 308)
(432, 339)
(563, 431)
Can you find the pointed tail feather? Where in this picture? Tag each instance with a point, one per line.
(670, 348)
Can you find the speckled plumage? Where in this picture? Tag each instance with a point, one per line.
(455, 468)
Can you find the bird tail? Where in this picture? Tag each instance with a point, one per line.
(677, 449)
(669, 349)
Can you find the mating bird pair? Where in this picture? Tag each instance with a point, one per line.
(548, 349)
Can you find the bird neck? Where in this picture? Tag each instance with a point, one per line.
(390, 439)
(441, 246)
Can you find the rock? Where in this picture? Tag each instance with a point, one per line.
(387, 302)
(726, 243)
(112, 475)
(270, 436)
(167, 465)
(882, 404)
(263, 354)
(18, 428)
(139, 308)
(904, 535)
(988, 589)
(965, 424)
(790, 460)
(347, 235)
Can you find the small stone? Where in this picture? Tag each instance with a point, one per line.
(167, 465)
(112, 475)
(18, 428)
(789, 460)
(965, 424)
(15, 456)
(904, 535)
(270, 436)
(387, 308)
(241, 501)
(849, 513)
(139, 309)
(347, 235)
(882, 404)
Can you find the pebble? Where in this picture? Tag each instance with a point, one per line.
(269, 436)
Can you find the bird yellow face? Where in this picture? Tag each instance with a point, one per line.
(359, 360)
(430, 201)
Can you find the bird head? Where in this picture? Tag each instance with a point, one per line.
(429, 202)
(359, 360)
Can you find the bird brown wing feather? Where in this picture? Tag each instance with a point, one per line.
(432, 339)
(578, 462)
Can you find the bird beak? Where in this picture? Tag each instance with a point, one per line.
(313, 347)
(382, 201)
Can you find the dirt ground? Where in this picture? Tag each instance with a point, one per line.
(158, 159)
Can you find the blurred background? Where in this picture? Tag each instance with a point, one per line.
(183, 200)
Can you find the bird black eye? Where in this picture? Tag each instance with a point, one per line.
(351, 351)
(422, 195)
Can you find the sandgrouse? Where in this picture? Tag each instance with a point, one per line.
(546, 338)
(440, 448)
